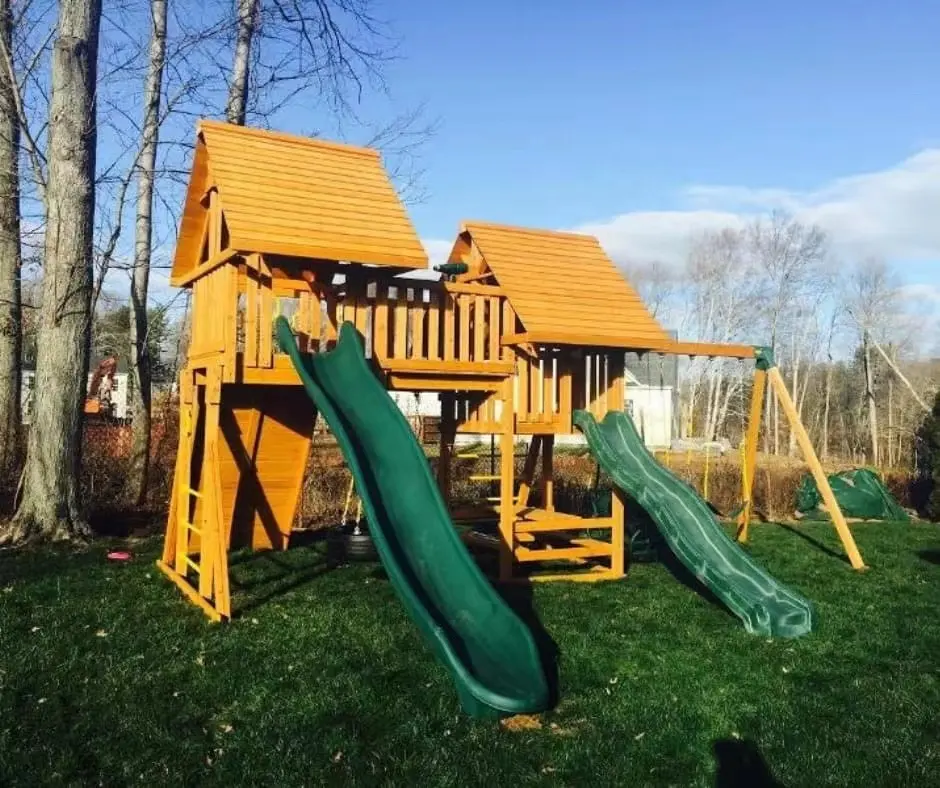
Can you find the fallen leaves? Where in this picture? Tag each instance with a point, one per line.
(521, 722)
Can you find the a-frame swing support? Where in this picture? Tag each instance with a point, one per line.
(767, 372)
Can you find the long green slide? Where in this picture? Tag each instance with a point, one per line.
(487, 648)
(692, 532)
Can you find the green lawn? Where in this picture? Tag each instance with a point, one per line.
(107, 676)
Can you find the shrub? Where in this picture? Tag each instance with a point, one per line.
(928, 460)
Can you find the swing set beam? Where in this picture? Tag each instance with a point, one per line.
(767, 372)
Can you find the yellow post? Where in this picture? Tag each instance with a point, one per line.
(617, 545)
(548, 481)
(749, 456)
(809, 454)
(507, 509)
(448, 430)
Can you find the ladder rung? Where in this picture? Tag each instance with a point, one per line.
(191, 564)
(195, 493)
(468, 456)
(486, 477)
(193, 528)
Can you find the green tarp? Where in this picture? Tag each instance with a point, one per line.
(860, 493)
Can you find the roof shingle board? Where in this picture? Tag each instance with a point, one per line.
(282, 194)
(564, 285)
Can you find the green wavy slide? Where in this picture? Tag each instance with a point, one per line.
(692, 532)
(487, 648)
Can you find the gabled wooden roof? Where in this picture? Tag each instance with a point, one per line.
(563, 286)
(287, 195)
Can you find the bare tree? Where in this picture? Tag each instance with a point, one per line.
(719, 291)
(50, 506)
(10, 254)
(656, 283)
(246, 25)
(871, 301)
(827, 395)
(140, 365)
(789, 255)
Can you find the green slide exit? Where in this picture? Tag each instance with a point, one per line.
(692, 532)
(487, 648)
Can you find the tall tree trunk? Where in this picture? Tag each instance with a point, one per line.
(870, 399)
(11, 326)
(237, 104)
(889, 437)
(50, 506)
(140, 356)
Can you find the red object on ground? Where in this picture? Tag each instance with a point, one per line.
(119, 555)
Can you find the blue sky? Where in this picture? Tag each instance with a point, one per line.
(556, 114)
(647, 122)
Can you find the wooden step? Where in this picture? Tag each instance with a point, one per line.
(593, 575)
(583, 548)
(537, 526)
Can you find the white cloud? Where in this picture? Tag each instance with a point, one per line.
(890, 213)
(656, 235)
(438, 250)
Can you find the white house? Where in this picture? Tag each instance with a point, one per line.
(118, 395)
(649, 405)
(651, 408)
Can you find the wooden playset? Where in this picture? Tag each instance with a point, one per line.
(528, 327)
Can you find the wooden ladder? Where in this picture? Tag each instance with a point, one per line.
(195, 551)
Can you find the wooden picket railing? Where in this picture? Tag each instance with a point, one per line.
(411, 328)
(408, 325)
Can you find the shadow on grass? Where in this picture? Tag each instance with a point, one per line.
(814, 542)
(682, 575)
(123, 523)
(741, 765)
(259, 577)
(519, 597)
(930, 556)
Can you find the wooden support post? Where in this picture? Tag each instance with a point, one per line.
(265, 316)
(493, 329)
(448, 433)
(400, 343)
(463, 307)
(809, 454)
(189, 418)
(179, 504)
(380, 326)
(548, 481)
(479, 328)
(617, 533)
(434, 329)
(749, 459)
(564, 392)
(450, 305)
(507, 511)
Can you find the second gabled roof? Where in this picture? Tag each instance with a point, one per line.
(563, 286)
(297, 196)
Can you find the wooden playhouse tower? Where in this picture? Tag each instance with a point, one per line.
(534, 326)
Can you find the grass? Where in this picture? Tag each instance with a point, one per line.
(107, 677)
